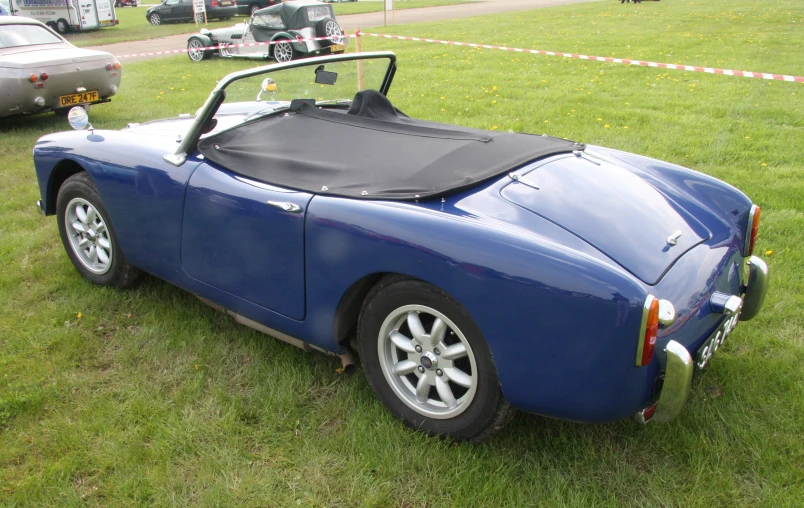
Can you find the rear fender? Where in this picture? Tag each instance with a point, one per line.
(291, 36)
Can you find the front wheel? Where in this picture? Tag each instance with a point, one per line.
(89, 237)
(155, 18)
(283, 51)
(196, 51)
(428, 362)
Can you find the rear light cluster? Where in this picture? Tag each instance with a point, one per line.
(649, 330)
(115, 66)
(752, 229)
(214, 3)
(33, 77)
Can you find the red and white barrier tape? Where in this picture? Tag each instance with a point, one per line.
(644, 63)
(693, 68)
(227, 45)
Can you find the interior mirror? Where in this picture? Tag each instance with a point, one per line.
(78, 118)
(268, 86)
(323, 77)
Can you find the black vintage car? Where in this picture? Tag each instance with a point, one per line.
(291, 27)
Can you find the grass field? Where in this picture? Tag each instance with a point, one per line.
(134, 27)
(149, 397)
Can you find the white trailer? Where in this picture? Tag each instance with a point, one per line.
(68, 15)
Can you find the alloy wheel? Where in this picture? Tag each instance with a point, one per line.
(195, 50)
(283, 52)
(89, 236)
(156, 19)
(433, 372)
(333, 32)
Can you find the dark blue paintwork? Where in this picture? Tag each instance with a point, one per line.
(545, 274)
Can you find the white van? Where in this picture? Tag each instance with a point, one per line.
(68, 15)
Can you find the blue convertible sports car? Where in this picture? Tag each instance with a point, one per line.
(475, 272)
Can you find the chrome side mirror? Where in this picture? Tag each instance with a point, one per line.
(78, 118)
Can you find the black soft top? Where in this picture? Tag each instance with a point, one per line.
(371, 152)
(294, 12)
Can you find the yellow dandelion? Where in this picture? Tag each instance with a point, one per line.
(768, 252)
(607, 126)
(599, 119)
(625, 127)
(79, 315)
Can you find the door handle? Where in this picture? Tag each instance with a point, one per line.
(288, 207)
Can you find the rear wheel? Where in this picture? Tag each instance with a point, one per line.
(155, 18)
(89, 237)
(196, 51)
(283, 51)
(62, 27)
(254, 8)
(428, 362)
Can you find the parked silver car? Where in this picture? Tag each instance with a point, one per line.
(40, 71)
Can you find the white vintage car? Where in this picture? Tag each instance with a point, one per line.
(289, 26)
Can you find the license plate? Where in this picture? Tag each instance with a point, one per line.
(78, 98)
(710, 347)
(337, 47)
(107, 22)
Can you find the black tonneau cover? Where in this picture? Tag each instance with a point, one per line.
(372, 153)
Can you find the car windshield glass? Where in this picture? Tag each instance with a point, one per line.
(332, 83)
(268, 20)
(12, 36)
(316, 14)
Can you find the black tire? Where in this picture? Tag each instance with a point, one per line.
(485, 413)
(155, 18)
(327, 27)
(197, 55)
(120, 274)
(51, 25)
(62, 26)
(286, 51)
(254, 8)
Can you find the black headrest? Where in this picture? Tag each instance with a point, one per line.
(373, 104)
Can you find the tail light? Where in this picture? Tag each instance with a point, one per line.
(117, 66)
(109, 67)
(752, 229)
(299, 38)
(214, 3)
(649, 331)
(44, 76)
(32, 78)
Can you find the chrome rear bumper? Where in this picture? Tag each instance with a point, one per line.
(676, 386)
(680, 365)
(755, 288)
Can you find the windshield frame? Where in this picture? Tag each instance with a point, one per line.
(218, 94)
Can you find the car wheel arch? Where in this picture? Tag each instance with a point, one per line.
(61, 172)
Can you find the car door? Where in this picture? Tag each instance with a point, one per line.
(246, 238)
(169, 9)
(185, 11)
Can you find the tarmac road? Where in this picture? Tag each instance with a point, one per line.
(354, 21)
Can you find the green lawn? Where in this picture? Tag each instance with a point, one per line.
(134, 27)
(149, 397)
